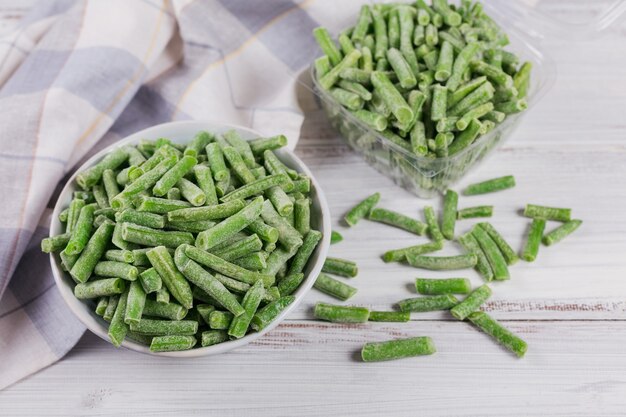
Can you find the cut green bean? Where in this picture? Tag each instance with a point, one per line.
(531, 248)
(216, 162)
(75, 208)
(99, 288)
(198, 143)
(333, 287)
(450, 203)
(160, 205)
(172, 343)
(507, 251)
(431, 303)
(150, 280)
(55, 243)
(150, 327)
(154, 237)
(223, 267)
(492, 252)
(330, 78)
(433, 225)
(214, 212)
(220, 320)
(398, 255)
(101, 307)
(213, 337)
(191, 192)
(207, 282)
(260, 145)
(341, 314)
(401, 221)
(362, 209)
(474, 212)
(432, 286)
(290, 283)
(335, 237)
(392, 97)
(141, 218)
(231, 225)
(442, 263)
(268, 314)
(397, 349)
(390, 316)
(174, 281)
(91, 176)
(135, 303)
(547, 213)
(116, 269)
(471, 245)
(119, 255)
(111, 306)
(561, 232)
(93, 251)
(505, 337)
(250, 304)
(489, 186)
(341, 267)
(327, 45)
(118, 328)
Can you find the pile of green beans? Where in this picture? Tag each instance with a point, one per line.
(486, 251)
(426, 80)
(182, 246)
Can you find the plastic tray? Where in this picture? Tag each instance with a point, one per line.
(426, 177)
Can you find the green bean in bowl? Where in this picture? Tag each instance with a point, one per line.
(160, 234)
(424, 92)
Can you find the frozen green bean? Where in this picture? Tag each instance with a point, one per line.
(433, 286)
(174, 281)
(213, 337)
(335, 237)
(492, 252)
(535, 234)
(223, 267)
(398, 220)
(397, 349)
(433, 225)
(398, 255)
(220, 320)
(290, 283)
(496, 184)
(449, 216)
(507, 251)
(341, 314)
(547, 213)
(55, 243)
(231, 225)
(154, 237)
(341, 267)
(91, 176)
(430, 303)
(502, 335)
(191, 192)
(392, 97)
(116, 269)
(172, 343)
(82, 230)
(118, 328)
(471, 245)
(150, 327)
(473, 212)
(141, 218)
(91, 254)
(327, 45)
(251, 301)
(214, 212)
(99, 288)
(390, 316)
(561, 232)
(135, 303)
(150, 280)
(334, 287)
(465, 138)
(362, 209)
(111, 307)
(442, 263)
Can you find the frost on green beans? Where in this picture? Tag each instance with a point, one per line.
(128, 236)
(454, 54)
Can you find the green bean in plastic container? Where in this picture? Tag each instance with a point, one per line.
(494, 65)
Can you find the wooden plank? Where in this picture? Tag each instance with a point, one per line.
(312, 369)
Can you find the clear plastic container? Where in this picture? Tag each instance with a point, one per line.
(425, 177)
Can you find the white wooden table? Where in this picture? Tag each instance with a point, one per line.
(569, 305)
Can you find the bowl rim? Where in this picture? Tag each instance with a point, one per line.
(96, 324)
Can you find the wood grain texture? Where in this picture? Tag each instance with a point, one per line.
(570, 304)
(311, 369)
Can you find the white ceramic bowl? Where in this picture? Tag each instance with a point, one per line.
(182, 132)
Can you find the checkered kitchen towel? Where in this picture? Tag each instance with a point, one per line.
(76, 76)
